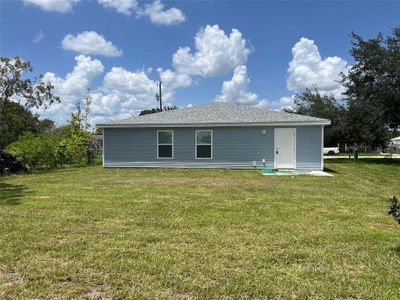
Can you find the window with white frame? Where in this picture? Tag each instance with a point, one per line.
(165, 144)
(203, 144)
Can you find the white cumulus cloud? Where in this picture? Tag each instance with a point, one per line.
(174, 80)
(159, 15)
(157, 12)
(90, 42)
(125, 81)
(307, 68)
(237, 90)
(124, 93)
(216, 53)
(72, 87)
(126, 7)
(61, 6)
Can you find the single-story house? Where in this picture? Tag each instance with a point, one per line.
(216, 135)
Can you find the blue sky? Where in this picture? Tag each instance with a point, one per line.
(118, 46)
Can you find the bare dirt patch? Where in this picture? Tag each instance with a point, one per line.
(9, 278)
(96, 292)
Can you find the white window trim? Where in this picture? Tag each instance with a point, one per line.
(196, 144)
(172, 144)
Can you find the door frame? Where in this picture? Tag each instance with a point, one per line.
(295, 145)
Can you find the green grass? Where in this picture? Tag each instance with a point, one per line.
(208, 234)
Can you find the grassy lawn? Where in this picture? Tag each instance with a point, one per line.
(208, 234)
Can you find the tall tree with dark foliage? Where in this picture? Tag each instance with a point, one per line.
(373, 88)
(13, 87)
(16, 119)
(17, 95)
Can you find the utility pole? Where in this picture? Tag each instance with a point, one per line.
(159, 95)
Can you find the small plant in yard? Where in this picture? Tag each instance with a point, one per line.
(394, 208)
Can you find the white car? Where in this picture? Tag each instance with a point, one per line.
(331, 150)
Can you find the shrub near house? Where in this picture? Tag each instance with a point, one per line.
(64, 145)
(45, 151)
(34, 151)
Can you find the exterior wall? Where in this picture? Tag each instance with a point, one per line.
(309, 148)
(233, 147)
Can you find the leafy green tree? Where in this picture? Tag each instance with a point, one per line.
(13, 87)
(61, 154)
(373, 88)
(363, 128)
(45, 126)
(312, 103)
(77, 137)
(15, 120)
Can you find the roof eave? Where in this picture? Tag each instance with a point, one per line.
(294, 123)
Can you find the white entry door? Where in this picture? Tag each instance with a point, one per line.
(285, 148)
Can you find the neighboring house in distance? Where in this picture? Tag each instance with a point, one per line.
(395, 144)
(215, 135)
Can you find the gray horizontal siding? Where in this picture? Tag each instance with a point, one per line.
(124, 145)
(184, 144)
(308, 147)
(243, 144)
(233, 147)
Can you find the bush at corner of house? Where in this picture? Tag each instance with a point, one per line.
(98, 160)
(76, 147)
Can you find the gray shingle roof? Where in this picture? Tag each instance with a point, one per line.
(215, 113)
